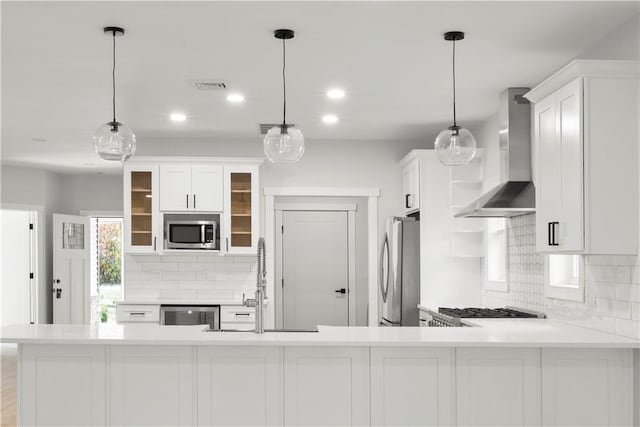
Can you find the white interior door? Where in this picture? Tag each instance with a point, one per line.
(18, 267)
(314, 269)
(71, 279)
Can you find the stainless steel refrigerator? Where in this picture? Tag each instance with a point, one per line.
(400, 272)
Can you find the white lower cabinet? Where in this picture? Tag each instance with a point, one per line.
(498, 386)
(62, 385)
(412, 386)
(152, 385)
(587, 387)
(326, 386)
(240, 386)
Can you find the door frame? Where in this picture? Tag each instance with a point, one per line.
(371, 193)
(39, 264)
(352, 288)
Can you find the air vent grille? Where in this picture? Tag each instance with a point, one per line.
(209, 84)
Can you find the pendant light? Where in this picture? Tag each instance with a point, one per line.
(455, 145)
(284, 143)
(113, 140)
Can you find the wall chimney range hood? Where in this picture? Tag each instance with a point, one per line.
(515, 195)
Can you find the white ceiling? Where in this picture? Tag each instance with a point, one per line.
(388, 56)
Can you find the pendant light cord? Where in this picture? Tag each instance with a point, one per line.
(284, 84)
(454, 82)
(113, 77)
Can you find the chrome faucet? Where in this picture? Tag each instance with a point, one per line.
(258, 301)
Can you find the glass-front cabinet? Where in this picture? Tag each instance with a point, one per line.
(141, 209)
(241, 209)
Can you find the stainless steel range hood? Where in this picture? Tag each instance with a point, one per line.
(516, 195)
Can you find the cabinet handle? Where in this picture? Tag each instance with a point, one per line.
(551, 233)
(187, 201)
(137, 313)
(154, 242)
(406, 201)
(227, 244)
(194, 201)
(243, 314)
(341, 291)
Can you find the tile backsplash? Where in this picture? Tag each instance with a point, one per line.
(189, 277)
(612, 286)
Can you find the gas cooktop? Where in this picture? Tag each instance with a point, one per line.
(487, 313)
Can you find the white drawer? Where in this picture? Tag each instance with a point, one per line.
(137, 313)
(233, 313)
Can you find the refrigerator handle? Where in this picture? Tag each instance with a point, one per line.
(384, 284)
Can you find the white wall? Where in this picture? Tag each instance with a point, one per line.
(91, 192)
(39, 189)
(623, 43)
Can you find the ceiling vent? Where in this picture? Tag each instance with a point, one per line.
(209, 84)
(264, 127)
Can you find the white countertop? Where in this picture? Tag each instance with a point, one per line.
(491, 333)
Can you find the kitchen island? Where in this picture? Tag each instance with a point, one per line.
(501, 373)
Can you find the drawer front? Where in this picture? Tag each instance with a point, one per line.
(237, 314)
(138, 313)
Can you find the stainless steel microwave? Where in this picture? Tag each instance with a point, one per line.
(191, 234)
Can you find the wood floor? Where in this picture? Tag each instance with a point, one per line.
(8, 373)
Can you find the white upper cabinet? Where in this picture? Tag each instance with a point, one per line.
(241, 213)
(141, 214)
(185, 187)
(411, 186)
(586, 158)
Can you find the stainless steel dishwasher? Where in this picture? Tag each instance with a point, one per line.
(191, 315)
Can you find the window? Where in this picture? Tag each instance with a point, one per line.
(564, 278)
(496, 254)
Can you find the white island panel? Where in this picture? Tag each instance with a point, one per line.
(62, 385)
(587, 387)
(240, 386)
(412, 386)
(498, 387)
(326, 386)
(152, 385)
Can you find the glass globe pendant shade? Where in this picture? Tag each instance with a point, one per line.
(284, 144)
(455, 146)
(114, 141)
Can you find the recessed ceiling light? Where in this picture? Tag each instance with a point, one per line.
(178, 117)
(335, 93)
(330, 118)
(236, 98)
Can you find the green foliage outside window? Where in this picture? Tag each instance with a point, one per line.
(109, 248)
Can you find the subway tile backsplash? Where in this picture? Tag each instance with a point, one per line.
(191, 277)
(612, 286)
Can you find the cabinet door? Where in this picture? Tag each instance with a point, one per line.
(240, 228)
(141, 213)
(412, 387)
(570, 231)
(498, 386)
(411, 186)
(587, 387)
(62, 385)
(326, 386)
(152, 385)
(206, 188)
(175, 188)
(240, 386)
(548, 193)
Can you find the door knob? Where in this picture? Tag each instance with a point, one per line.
(58, 293)
(341, 291)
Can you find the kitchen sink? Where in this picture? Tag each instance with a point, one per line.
(266, 330)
